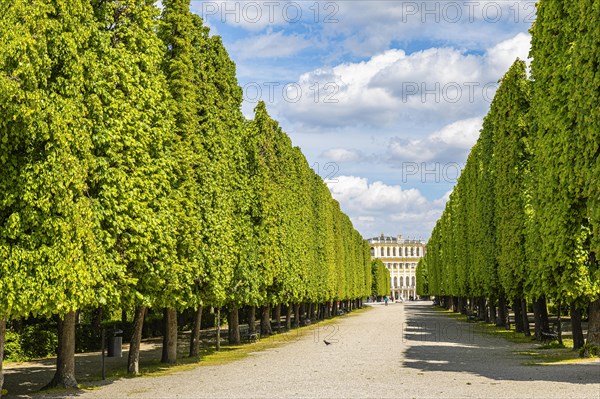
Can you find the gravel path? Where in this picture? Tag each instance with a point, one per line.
(396, 351)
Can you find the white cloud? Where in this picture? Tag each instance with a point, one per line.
(376, 207)
(342, 155)
(441, 83)
(461, 134)
(501, 56)
(269, 45)
(450, 143)
(476, 24)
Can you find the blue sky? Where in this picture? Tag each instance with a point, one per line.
(385, 98)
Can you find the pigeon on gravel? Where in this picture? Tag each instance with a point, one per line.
(327, 342)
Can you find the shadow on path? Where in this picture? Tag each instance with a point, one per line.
(436, 342)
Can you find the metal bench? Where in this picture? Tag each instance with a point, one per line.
(246, 336)
(549, 336)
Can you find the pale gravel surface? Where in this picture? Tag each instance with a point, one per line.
(396, 351)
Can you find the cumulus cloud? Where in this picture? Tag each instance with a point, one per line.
(394, 86)
(375, 206)
(450, 143)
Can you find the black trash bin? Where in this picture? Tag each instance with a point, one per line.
(115, 344)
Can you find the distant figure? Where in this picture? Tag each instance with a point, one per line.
(385, 300)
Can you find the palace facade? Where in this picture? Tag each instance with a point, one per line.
(400, 256)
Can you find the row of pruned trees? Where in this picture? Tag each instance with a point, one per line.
(522, 223)
(381, 280)
(131, 180)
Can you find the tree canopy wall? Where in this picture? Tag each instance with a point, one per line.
(131, 179)
(528, 195)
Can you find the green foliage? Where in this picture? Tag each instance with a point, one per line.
(565, 148)
(589, 350)
(381, 278)
(478, 246)
(52, 260)
(132, 168)
(130, 176)
(422, 277)
(31, 342)
(522, 220)
(508, 114)
(13, 351)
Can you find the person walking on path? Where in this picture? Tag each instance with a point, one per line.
(385, 300)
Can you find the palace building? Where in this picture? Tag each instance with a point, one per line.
(400, 256)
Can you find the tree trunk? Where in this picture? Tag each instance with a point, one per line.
(540, 311)
(2, 335)
(491, 315)
(462, 305)
(537, 319)
(288, 317)
(65, 360)
(593, 336)
(502, 313)
(169, 348)
(544, 315)
(334, 309)
(218, 325)
(265, 321)
(97, 320)
(234, 326)
(526, 330)
(518, 315)
(296, 315)
(558, 324)
(195, 337)
(578, 341)
(481, 313)
(133, 360)
(123, 316)
(300, 312)
(252, 320)
(277, 317)
(309, 310)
